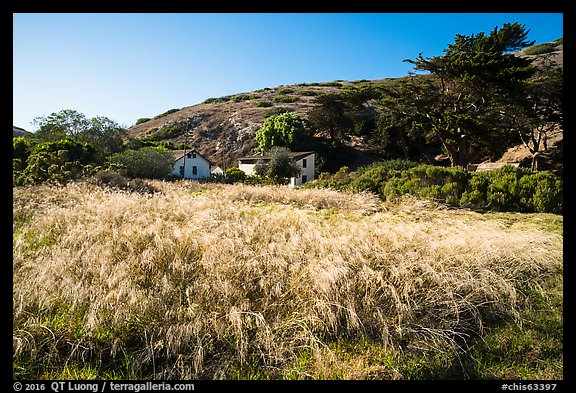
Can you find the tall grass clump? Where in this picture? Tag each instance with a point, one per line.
(230, 281)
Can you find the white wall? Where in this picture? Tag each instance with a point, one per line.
(247, 168)
(294, 181)
(201, 164)
(308, 171)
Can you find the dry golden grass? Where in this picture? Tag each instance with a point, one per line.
(199, 278)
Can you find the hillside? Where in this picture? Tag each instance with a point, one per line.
(223, 128)
(18, 131)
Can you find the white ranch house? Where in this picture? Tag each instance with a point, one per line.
(190, 164)
(304, 160)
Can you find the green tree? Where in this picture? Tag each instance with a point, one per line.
(477, 82)
(341, 115)
(282, 130)
(148, 162)
(280, 167)
(540, 111)
(105, 135)
(401, 112)
(331, 115)
(66, 123)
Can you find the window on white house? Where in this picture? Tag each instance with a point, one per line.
(194, 170)
(193, 155)
(304, 163)
(182, 170)
(189, 155)
(304, 179)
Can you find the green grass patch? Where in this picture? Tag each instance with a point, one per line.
(552, 223)
(531, 348)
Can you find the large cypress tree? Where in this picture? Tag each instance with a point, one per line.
(474, 88)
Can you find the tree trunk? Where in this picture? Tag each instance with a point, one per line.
(534, 165)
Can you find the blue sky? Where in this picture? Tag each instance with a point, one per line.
(127, 66)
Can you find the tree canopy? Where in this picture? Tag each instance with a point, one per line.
(282, 130)
(475, 85)
(105, 135)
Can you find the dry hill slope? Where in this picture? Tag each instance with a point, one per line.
(223, 128)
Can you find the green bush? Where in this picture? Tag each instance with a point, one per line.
(310, 93)
(166, 132)
(216, 100)
(263, 104)
(235, 174)
(284, 91)
(148, 162)
(243, 97)
(548, 195)
(142, 120)
(277, 110)
(169, 111)
(22, 147)
(74, 150)
(371, 179)
(51, 162)
(504, 189)
(285, 99)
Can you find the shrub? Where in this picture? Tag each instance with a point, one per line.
(74, 150)
(115, 180)
(277, 110)
(547, 197)
(504, 189)
(243, 97)
(22, 147)
(217, 100)
(148, 162)
(51, 162)
(310, 93)
(285, 99)
(142, 120)
(169, 111)
(235, 174)
(263, 104)
(284, 91)
(280, 168)
(371, 179)
(166, 132)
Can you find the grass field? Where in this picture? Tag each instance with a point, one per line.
(209, 281)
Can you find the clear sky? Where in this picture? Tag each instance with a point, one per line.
(127, 66)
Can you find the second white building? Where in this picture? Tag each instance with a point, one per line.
(304, 160)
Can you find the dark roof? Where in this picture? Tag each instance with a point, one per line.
(295, 155)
